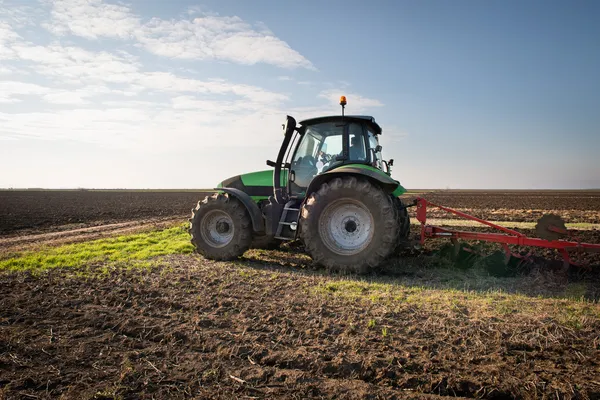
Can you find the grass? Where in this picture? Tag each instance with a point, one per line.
(115, 250)
(573, 311)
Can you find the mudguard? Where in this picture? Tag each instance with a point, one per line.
(258, 223)
(385, 181)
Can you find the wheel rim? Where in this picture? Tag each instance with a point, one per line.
(346, 226)
(217, 228)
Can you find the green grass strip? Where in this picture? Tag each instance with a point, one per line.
(570, 310)
(140, 246)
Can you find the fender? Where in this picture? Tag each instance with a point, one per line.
(258, 223)
(373, 174)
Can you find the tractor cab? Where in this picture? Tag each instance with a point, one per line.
(321, 145)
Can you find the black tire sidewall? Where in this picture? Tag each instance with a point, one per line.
(242, 236)
(377, 202)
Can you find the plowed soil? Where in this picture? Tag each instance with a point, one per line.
(27, 212)
(518, 206)
(197, 329)
(259, 328)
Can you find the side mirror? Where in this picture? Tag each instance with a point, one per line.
(391, 162)
(378, 148)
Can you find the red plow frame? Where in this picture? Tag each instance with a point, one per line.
(508, 237)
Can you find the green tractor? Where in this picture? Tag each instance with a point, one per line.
(329, 187)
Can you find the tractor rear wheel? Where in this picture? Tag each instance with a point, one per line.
(220, 227)
(349, 225)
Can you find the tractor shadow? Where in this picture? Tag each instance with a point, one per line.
(434, 270)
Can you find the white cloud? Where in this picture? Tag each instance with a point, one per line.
(10, 89)
(168, 82)
(92, 19)
(193, 10)
(18, 14)
(6, 70)
(7, 37)
(65, 97)
(207, 37)
(76, 66)
(7, 34)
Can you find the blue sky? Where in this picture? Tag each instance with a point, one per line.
(182, 94)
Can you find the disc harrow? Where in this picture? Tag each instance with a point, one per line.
(551, 230)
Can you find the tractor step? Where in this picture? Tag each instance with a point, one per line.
(288, 223)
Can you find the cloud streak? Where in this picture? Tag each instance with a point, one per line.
(206, 37)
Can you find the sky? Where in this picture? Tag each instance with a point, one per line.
(183, 94)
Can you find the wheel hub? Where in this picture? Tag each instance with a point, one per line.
(346, 226)
(217, 228)
(222, 227)
(350, 226)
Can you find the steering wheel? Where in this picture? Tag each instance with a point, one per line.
(327, 157)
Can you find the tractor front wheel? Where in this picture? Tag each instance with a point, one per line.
(349, 225)
(220, 227)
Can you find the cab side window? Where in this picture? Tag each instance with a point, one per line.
(376, 155)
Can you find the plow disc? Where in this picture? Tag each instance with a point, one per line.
(466, 256)
(462, 255)
(550, 229)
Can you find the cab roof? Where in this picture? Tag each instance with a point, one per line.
(369, 120)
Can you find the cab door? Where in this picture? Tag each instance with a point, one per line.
(303, 167)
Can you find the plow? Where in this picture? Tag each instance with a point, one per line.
(331, 189)
(550, 229)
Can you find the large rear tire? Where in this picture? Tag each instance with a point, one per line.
(220, 227)
(349, 225)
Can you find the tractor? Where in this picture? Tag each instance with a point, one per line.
(329, 187)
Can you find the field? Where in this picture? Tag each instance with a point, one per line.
(102, 297)
(33, 211)
(522, 206)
